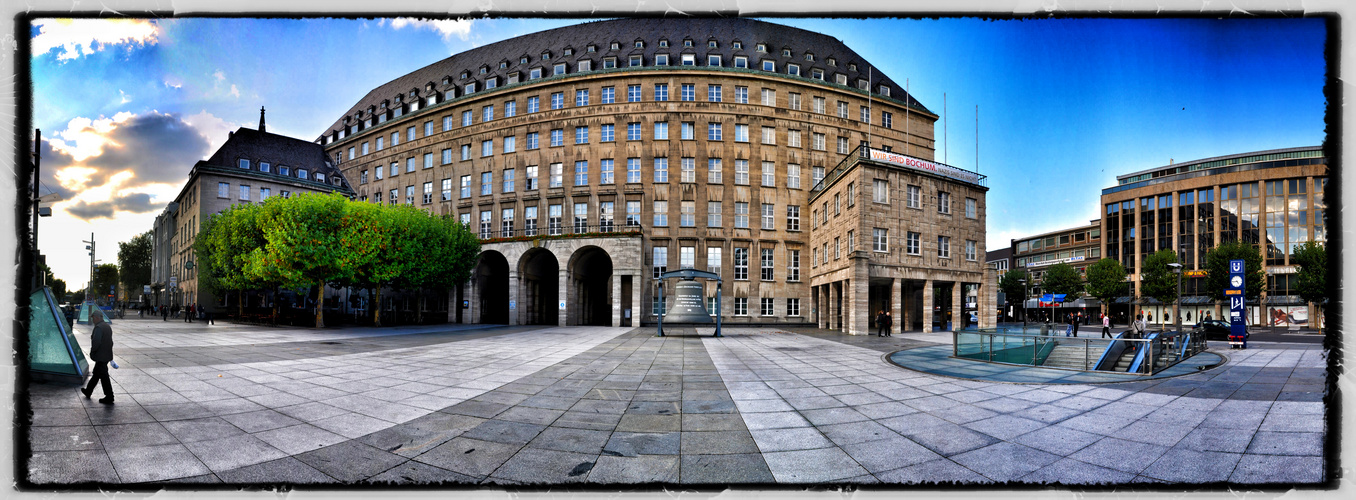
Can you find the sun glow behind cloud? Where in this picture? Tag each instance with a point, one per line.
(79, 37)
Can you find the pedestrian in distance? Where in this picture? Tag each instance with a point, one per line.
(207, 317)
(889, 323)
(1078, 321)
(1106, 326)
(880, 323)
(101, 352)
(164, 313)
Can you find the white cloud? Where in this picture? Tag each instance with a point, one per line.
(461, 28)
(235, 92)
(86, 137)
(221, 76)
(78, 37)
(125, 98)
(214, 129)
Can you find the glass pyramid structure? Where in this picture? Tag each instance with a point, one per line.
(52, 347)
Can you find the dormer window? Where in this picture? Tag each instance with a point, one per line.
(883, 90)
(640, 44)
(713, 60)
(687, 42)
(447, 81)
(484, 69)
(786, 52)
(689, 59)
(534, 74)
(503, 64)
(762, 47)
(711, 44)
(636, 61)
(833, 62)
(737, 45)
(609, 62)
(663, 43)
(301, 172)
(587, 65)
(661, 59)
(809, 56)
(284, 170)
(522, 60)
(491, 82)
(244, 163)
(559, 69)
(569, 51)
(513, 78)
(817, 74)
(545, 56)
(852, 67)
(614, 46)
(465, 75)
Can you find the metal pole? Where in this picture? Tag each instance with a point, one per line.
(37, 164)
(719, 282)
(660, 312)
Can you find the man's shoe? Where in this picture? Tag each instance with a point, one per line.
(107, 401)
(87, 392)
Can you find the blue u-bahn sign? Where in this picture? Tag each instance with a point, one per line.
(1235, 292)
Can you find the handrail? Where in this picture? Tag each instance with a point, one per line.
(555, 229)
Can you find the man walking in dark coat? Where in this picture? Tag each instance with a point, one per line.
(101, 352)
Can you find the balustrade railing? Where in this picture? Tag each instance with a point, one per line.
(1155, 352)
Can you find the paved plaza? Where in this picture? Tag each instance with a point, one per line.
(507, 406)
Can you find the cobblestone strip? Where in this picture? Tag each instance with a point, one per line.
(813, 401)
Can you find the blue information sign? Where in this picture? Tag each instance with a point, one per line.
(1235, 293)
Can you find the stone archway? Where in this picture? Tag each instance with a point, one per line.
(539, 274)
(492, 288)
(591, 287)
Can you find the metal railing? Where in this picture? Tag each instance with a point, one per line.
(558, 228)
(1146, 356)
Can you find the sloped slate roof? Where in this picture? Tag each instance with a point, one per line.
(278, 150)
(626, 32)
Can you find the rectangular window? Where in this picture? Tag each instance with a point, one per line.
(465, 186)
(606, 215)
(661, 213)
(880, 191)
(911, 243)
(741, 215)
(581, 97)
(769, 135)
(742, 95)
(794, 101)
(971, 249)
(609, 95)
(633, 93)
(532, 140)
(223, 190)
(741, 264)
(689, 131)
(581, 217)
(769, 97)
(741, 306)
(793, 217)
(362, 178)
(687, 214)
(689, 59)
(447, 156)
(558, 69)
(380, 170)
(793, 307)
(531, 182)
(687, 92)
(486, 183)
(486, 148)
(687, 168)
(660, 261)
(769, 66)
(533, 104)
(534, 74)
(510, 109)
(713, 259)
(530, 221)
(766, 268)
(557, 137)
(793, 69)
(817, 141)
(880, 240)
(447, 189)
(915, 195)
(557, 175)
(632, 213)
(264, 193)
(465, 120)
(553, 218)
(793, 138)
(465, 155)
(944, 247)
(793, 265)
(713, 93)
(865, 115)
(581, 135)
(633, 131)
(661, 169)
(713, 132)
(428, 192)
(741, 133)
(608, 133)
(842, 145)
(510, 144)
(819, 105)
(395, 139)
(244, 192)
(409, 195)
(508, 183)
(713, 170)
(661, 92)
(364, 152)
(971, 208)
(713, 214)
(661, 131)
(633, 170)
(944, 202)
(557, 100)
(485, 221)
(769, 216)
(581, 173)
(506, 223)
(636, 61)
(394, 197)
(887, 119)
(769, 174)
(842, 109)
(687, 257)
(742, 172)
(605, 167)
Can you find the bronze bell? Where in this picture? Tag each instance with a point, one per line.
(688, 304)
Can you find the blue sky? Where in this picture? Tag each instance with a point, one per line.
(1064, 105)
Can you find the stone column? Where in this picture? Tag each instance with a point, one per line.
(637, 291)
(835, 296)
(896, 309)
(566, 295)
(473, 302)
(957, 305)
(616, 299)
(906, 301)
(861, 306)
(927, 306)
(515, 297)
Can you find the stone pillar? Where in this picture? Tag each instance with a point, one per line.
(566, 295)
(515, 297)
(637, 291)
(957, 305)
(616, 299)
(906, 301)
(860, 306)
(896, 301)
(927, 306)
(835, 297)
(473, 301)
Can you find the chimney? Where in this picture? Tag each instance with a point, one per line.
(261, 127)
(261, 120)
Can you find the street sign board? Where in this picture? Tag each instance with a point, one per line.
(145, 288)
(1237, 304)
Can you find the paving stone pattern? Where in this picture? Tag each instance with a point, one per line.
(548, 405)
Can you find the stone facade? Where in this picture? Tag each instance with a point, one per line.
(885, 236)
(711, 163)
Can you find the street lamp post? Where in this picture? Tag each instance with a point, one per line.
(1177, 305)
(1023, 282)
(90, 247)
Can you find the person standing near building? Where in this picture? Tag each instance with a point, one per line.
(101, 352)
(880, 323)
(889, 322)
(1106, 326)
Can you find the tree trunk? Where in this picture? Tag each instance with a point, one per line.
(240, 304)
(419, 306)
(376, 307)
(320, 305)
(274, 320)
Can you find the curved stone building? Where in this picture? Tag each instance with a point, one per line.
(591, 158)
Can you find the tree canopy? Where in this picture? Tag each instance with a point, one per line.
(1012, 286)
(1106, 280)
(1157, 279)
(105, 279)
(1217, 270)
(1063, 278)
(1312, 281)
(134, 263)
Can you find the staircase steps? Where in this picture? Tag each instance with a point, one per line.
(1071, 356)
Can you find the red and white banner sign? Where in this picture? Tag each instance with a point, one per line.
(936, 168)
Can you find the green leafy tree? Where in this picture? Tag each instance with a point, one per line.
(223, 247)
(306, 237)
(134, 263)
(58, 289)
(105, 279)
(1157, 279)
(1063, 278)
(1012, 286)
(1217, 270)
(1312, 285)
(1106, 281)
